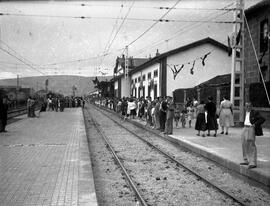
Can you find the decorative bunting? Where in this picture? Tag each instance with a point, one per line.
(177, 68)
(204, 57)
(192, 68)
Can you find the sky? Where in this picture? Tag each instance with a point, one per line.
(85, 37)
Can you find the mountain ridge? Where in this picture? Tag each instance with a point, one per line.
(60, 83)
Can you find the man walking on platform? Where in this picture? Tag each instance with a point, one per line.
(252, 128)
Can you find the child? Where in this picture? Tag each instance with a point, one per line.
(183, 117)
(177, 115)
(190, 114)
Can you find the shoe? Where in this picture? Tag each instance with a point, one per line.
(208, 134)
(203, 135)
(198, 135)
(222, 132)
(251, 166)
(214, 135)
(226, 133)
(244, 163)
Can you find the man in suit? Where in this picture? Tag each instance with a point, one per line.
(252, 128)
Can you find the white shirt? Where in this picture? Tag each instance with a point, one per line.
(247, 119)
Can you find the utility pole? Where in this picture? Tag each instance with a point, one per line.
(126, 62)
(237, 71)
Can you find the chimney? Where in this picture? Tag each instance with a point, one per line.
(157, 53)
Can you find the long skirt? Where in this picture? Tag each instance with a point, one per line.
(200, 122)
(169, 126)
(212, 122)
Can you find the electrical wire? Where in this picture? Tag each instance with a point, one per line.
(141, 7)
(16, 52)
(29, 65)
(181, 31)
(148, 29)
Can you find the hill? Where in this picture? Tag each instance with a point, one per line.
(62, 84)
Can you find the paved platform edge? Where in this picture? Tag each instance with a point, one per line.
(251, 174)
(87, 192)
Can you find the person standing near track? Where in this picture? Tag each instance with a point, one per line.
(3, 113)
(252, 128)
(169, 116)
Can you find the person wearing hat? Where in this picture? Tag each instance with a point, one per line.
(252, 128)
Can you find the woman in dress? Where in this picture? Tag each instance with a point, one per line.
(200, 124)
(226, 115)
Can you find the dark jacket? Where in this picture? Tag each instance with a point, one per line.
(257, 120)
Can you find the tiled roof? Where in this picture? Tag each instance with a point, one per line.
(256, 7)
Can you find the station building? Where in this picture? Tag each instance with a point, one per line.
(258, 18)
(183, 67)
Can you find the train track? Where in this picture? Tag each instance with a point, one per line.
(199, 176)
(16, 112)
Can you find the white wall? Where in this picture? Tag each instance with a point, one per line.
(115, 85)
(145, 72)
(217, 63)
(125, 87)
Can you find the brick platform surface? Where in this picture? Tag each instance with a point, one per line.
(45, 161)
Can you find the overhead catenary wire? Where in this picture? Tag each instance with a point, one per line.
(110, 37)
(149, 28)
(256, 56)
(13, 50)
(182, 30)
(116, 18)
(119, 29)
(29, 65)
(141, 7)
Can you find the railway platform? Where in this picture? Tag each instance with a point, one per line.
(46, 161)
(223, 149)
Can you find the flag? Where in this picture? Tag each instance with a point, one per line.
(95, 81)
(229, 47)
(204, 57)
(192, 68)
(238, 37)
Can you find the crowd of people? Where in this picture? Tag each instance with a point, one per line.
(161, 112)
(52, 104)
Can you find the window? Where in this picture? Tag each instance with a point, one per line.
(135, 80)
(155, 73)
(139, 79)
(132, 81)
(149, 75)
(264, 36)
(149, 90)
(143, 77)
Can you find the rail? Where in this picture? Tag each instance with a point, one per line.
(178, 163)
(108, 145)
